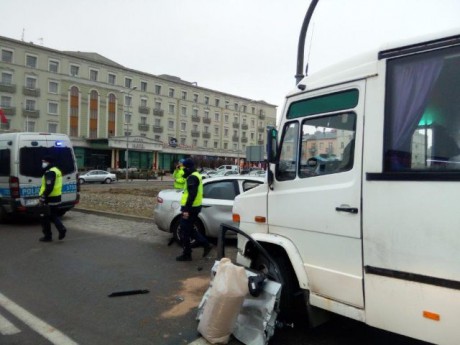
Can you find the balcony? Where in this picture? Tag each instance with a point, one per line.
(195, 119)
(157, 129)
(244, 139)
(9, 88)
(261, 116)
(31, 113)
(195, 134)
(31, 92)
(235, 138)
(9, 110)
(158, 112)
(260, 142)
(236, 125)
(206, 120)
(143, 127)
(260, 129)
(245, 126)
(144, 110)
(206, 135)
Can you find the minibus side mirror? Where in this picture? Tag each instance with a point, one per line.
(272, 144)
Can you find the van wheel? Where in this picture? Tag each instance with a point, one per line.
(108, 181)
(175, 229)
(292, 302)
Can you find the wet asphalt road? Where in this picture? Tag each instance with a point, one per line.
(67, 283)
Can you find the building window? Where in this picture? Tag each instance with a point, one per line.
(143, 86)
(183, 126)
(216, 144)
(195, 97)
(74, 111)
(184, 111)
(206, 100)
(184, 95)
(206, 114)
(74, 70)
(53, 66)
(226, 118)
(53, 108)
(158, 89)
(31, 83)
(253, 123)
(143, 120)
(171, 109)
(182, 141)
(157, 138)
(225, 146)
(7, 55)
(29, 126)
(128, 82)
(195, 112)
(128, 100)
(144, 102)
(253, 110)
(157, 105)
(7, 78)
(170, 124)
(30, 104)
(217, 102)
(93, 114)
(216, 117)
(252, 136)
(157, 122)
(111, 79)
(52, 127)
(31, 61)
(93, 75)
(112, 112)
(225, 132)
(171, 92)
(216, 130)
(5, 102)
(194, 142)
(205, 143)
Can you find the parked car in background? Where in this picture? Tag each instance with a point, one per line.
(228, 167)
(221, 173)
(260, 173)
(218, 196)
(101, 176)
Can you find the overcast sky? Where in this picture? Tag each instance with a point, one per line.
(243, 47)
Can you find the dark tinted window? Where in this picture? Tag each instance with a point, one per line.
(31, 160)
(220, 190)
(5, 162)
(422, 113)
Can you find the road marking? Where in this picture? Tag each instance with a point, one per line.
(6, 327)
(39, 326)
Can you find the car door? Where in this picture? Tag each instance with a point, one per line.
(218, 198)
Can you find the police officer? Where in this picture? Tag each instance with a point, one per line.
(178, 175)
(190, 208)
(50, 197)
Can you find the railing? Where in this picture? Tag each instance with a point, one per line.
(206, 135)
(31, 113)
(195, 134)
(10, 88)
(31, 92)
(260, 142)
(143, 127)
(9, 110)
(144, 110)
(235, 138)
(244, 139)
(157, 129)
(261, 116)
(244, 126)
(206, 120)
(236, 125)
(261, 129)
(158, 112)
(195, 119)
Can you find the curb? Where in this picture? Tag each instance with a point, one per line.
(114, 215)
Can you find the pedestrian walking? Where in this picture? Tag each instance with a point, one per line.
(178, 175)
(50, 198)
(190, 207)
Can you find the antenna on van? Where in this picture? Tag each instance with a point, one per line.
(301, 46)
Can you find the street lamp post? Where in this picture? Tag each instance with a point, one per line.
(127, 124)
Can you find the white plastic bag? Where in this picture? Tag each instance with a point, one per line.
(229, 287)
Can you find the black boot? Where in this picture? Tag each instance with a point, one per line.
(184, 257)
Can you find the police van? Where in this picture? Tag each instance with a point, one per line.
(21, 172)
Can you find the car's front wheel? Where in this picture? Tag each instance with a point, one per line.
(108, 180)
(176, 231)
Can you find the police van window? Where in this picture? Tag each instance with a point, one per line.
(286, 169)
(422, 113)
(30, 160)
(327, 145)
(5, 165)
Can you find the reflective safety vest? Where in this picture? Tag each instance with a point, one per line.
(199, 196)
(179, 179)
(57, 189)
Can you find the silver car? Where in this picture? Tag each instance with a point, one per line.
(101, 176)
(218, 196)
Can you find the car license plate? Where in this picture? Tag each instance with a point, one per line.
(31, 202)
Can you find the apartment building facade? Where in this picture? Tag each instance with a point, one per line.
(111, 111)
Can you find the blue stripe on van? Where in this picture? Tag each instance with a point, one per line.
(34, 190)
